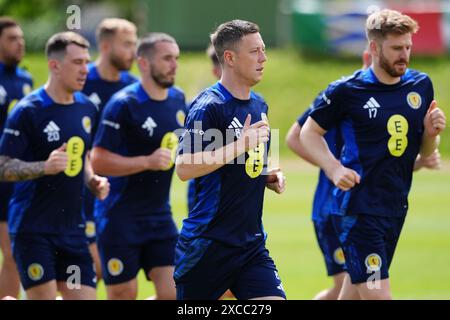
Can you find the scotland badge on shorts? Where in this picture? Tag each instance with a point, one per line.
(373, 262)
(338, 256)
(35, 271)
(115, 266)
(90, 229)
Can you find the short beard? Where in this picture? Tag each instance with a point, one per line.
(160, 80)
(390, 69)
(11, 61)
(118, 63)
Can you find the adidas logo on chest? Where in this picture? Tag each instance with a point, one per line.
(372, 107)
(149, 125)
(236, 125)
(52, 130)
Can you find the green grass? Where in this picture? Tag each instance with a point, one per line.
(420, 267)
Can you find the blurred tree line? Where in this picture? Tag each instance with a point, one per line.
(40, 19)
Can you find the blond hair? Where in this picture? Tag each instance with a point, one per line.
(381, 23)
(110, 26)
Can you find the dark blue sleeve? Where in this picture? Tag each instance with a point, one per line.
(327, 110)
(429, 97)
(430, 92)
(304, 116)
(185, 108)
(112, 125)
(132, 78)
(185, 103)
(196, 137)
(15, 138)
(182, 98)
(26, 77)
(95, 122)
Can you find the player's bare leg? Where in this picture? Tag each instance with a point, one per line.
(378, 290)
(227, 295)
(122, 291)
(45, 291)
(348, 291)
(162, 277)
(82, 293)
(333, 292)
(9, 276)
(93, 249)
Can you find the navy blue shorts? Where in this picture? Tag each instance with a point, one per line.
(369, 244)
(41, 258)
(205, 269)
(329, 245)
(121, 263)
(6, 190)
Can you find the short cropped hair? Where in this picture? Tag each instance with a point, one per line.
(147, 44)
(7, 22)
(57, 44)
(228, 34)
(384, 22)
(109, 27)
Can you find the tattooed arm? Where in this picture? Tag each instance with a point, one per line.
(17, 170)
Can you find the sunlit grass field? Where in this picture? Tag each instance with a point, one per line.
(421, 264)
